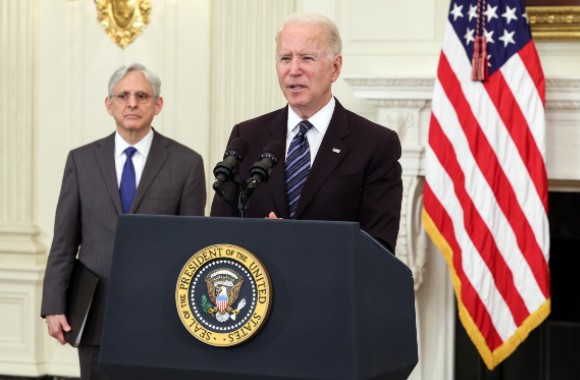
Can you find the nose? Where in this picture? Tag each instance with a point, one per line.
(295, 66)
(132, 102)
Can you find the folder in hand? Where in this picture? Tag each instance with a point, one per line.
(81, 293)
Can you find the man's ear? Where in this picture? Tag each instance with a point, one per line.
(336, 67)
(158, 105)
(108, 105)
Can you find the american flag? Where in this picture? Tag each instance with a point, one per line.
(486, 197)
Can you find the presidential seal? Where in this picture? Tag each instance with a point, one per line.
(223, 295)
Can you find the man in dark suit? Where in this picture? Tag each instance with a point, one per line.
(169, 180)
(355, 174)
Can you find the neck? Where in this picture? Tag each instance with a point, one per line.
(133, 137)
(307, 113)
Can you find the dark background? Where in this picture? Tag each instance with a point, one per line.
(551, 351)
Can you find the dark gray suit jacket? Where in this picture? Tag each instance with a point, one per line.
(172, 183)
(356, 175)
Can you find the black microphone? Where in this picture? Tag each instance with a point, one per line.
(225, 170)
(261, 170)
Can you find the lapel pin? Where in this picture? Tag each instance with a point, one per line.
(335, 150)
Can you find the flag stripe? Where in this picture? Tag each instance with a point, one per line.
(535, 255)
(476, 311)
(476, 240)
(529, 58)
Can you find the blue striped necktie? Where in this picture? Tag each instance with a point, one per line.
(128, 180)
(297, 167)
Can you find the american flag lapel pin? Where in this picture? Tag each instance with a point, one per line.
(336, 150)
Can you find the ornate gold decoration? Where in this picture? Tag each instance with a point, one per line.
(223, 295)
(555, 23)
(123, 20)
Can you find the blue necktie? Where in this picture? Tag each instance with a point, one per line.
(128, 180)
(297, 167)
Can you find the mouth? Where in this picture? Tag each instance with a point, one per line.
(296, 86)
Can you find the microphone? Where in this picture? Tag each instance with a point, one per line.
(261, 170)
(224, 170)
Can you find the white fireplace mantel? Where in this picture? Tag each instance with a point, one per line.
(404, 104)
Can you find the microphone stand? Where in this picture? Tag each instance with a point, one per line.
(245, 191)
(245, 194)
(242, 205)
(218, 188)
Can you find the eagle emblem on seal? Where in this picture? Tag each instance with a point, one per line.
(223, 287)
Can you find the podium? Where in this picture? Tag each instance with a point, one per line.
(342, 305)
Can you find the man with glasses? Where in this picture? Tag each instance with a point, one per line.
(338, 165)
(135, 170)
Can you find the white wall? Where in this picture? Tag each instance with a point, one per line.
(200, 49)
(75, 61)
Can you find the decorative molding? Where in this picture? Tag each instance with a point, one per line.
(401, 104)
(21, 274)
(425, 85)
(20, 239)
(14, 305)
(562, 94)
(555, 23)
(412, 239)
(563, 83)
(376, 82)
(562, 105)
(22, 343)
(394, 89)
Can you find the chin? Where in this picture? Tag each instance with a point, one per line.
(133, 128)
(297, 101)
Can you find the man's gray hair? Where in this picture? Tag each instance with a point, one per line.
(333, 40)
(149, 75)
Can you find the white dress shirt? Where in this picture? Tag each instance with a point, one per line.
(319, 120)
(139, 157)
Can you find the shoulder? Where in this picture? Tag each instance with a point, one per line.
(175, 147)
(268, 119)
(364, 126)
(89, 148)
(260, 130)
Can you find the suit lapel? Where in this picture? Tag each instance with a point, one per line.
(277, 182)
(333, 149)
(157, 156)
(105, 156)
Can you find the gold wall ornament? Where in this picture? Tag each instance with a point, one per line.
(123, 20)
(555, 23)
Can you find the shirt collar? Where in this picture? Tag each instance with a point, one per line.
(143, 146)
(320, 120)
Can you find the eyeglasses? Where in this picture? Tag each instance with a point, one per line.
(140, 97)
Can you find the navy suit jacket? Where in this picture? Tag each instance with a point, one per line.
(356, 175)
(172, 183)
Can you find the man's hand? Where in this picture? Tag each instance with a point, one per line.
(57, 325)
(271, 215)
